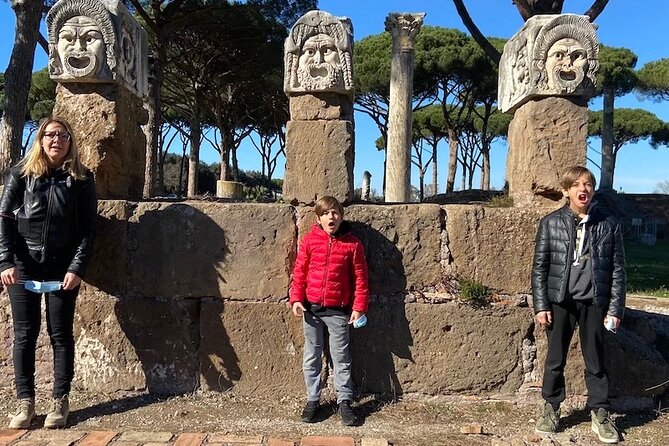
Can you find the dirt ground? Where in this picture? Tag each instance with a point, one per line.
(411, 422)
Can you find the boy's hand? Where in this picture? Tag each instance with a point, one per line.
(355, 315)
(10, 276)
(544, 318)
(616, 322)
(298, 309)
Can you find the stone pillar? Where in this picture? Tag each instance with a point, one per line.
(318, 80)
(98, 53)
(546, 76)
(229, 189)
(366, 187)
(403, 28)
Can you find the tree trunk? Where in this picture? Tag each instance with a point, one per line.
(608, 160)
(485, 169)
(434, 168)
(17, 80)
(452, 160)
(194, 157)
(235, 165)
(152, 127)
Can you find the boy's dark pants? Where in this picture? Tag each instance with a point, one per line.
(590, 321)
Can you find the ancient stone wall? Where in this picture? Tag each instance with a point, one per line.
(191, 295)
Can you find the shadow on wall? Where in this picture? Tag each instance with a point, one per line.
(175, 258)
(384, 343)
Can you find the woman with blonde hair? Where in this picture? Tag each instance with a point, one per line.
(48, 211)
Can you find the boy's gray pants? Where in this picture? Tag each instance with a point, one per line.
(314, 334)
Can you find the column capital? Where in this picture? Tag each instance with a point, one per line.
(404, 28)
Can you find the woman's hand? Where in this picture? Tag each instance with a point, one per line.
(71, 281)
(10, 276)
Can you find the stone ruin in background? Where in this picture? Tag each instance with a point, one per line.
(546, 76)
(318, 79)
(98, 54)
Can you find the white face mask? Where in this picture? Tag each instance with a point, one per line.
(42, 287)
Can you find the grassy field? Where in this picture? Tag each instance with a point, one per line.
(648, 268)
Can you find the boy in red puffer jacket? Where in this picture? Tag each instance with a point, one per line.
(329, 289)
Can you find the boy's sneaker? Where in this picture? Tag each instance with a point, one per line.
(25, 415)
(603, 426)
(346, 413)
(549, 421)
(57, 416)
(309, 412)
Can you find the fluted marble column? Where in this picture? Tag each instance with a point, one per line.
(404, 28)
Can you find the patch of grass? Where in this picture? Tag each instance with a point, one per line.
(472, 290)
(500, 201)
(500, 407)
(648, 268)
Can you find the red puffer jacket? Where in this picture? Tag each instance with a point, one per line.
(331, 270)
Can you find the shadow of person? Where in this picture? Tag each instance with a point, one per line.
(384, 343)
(169, 267)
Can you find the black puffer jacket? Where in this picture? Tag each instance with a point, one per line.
(50, 218)
(553, 254)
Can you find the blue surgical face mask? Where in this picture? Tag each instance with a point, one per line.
(42, 287)
(360, 322)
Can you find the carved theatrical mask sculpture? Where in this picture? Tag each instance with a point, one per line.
(317, 55)
(566, 65)
(93, 41)
(319, 67)
(552, 55)
(81, 48)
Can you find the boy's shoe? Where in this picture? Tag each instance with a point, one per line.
(309, 411)
(57, 416)
(346, 413)
(25, 416)
(549, 421)
(603, 426)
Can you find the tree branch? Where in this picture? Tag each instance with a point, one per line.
(146, 17)
(524, 9)
(596, 9)
(484, 43)
(43, 43)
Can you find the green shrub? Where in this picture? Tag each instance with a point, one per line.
(471, 290)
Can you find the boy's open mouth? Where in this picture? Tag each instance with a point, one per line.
(331, 224)
(583, 197)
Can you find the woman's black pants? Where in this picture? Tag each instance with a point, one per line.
(26, 315)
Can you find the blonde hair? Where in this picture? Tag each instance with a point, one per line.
(327, 202)
(37, 163)
(574, 173)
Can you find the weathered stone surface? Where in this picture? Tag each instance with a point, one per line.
(493, 246)
(319, 161)
(404, 28)
(106, 122)
(132, 344)
(402, 243)
(107, 270)
(253, 348)
(316, 106)
(198, 249)
(546, 136)
(636, 357)
(438, 349)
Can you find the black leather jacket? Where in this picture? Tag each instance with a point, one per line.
(553, 253)
(50, 218)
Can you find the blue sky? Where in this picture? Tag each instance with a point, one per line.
(643, 29)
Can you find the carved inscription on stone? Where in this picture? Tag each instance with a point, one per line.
(318, 54)
(97, 41)
(552, 55)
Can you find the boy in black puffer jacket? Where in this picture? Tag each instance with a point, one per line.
(578, 278)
